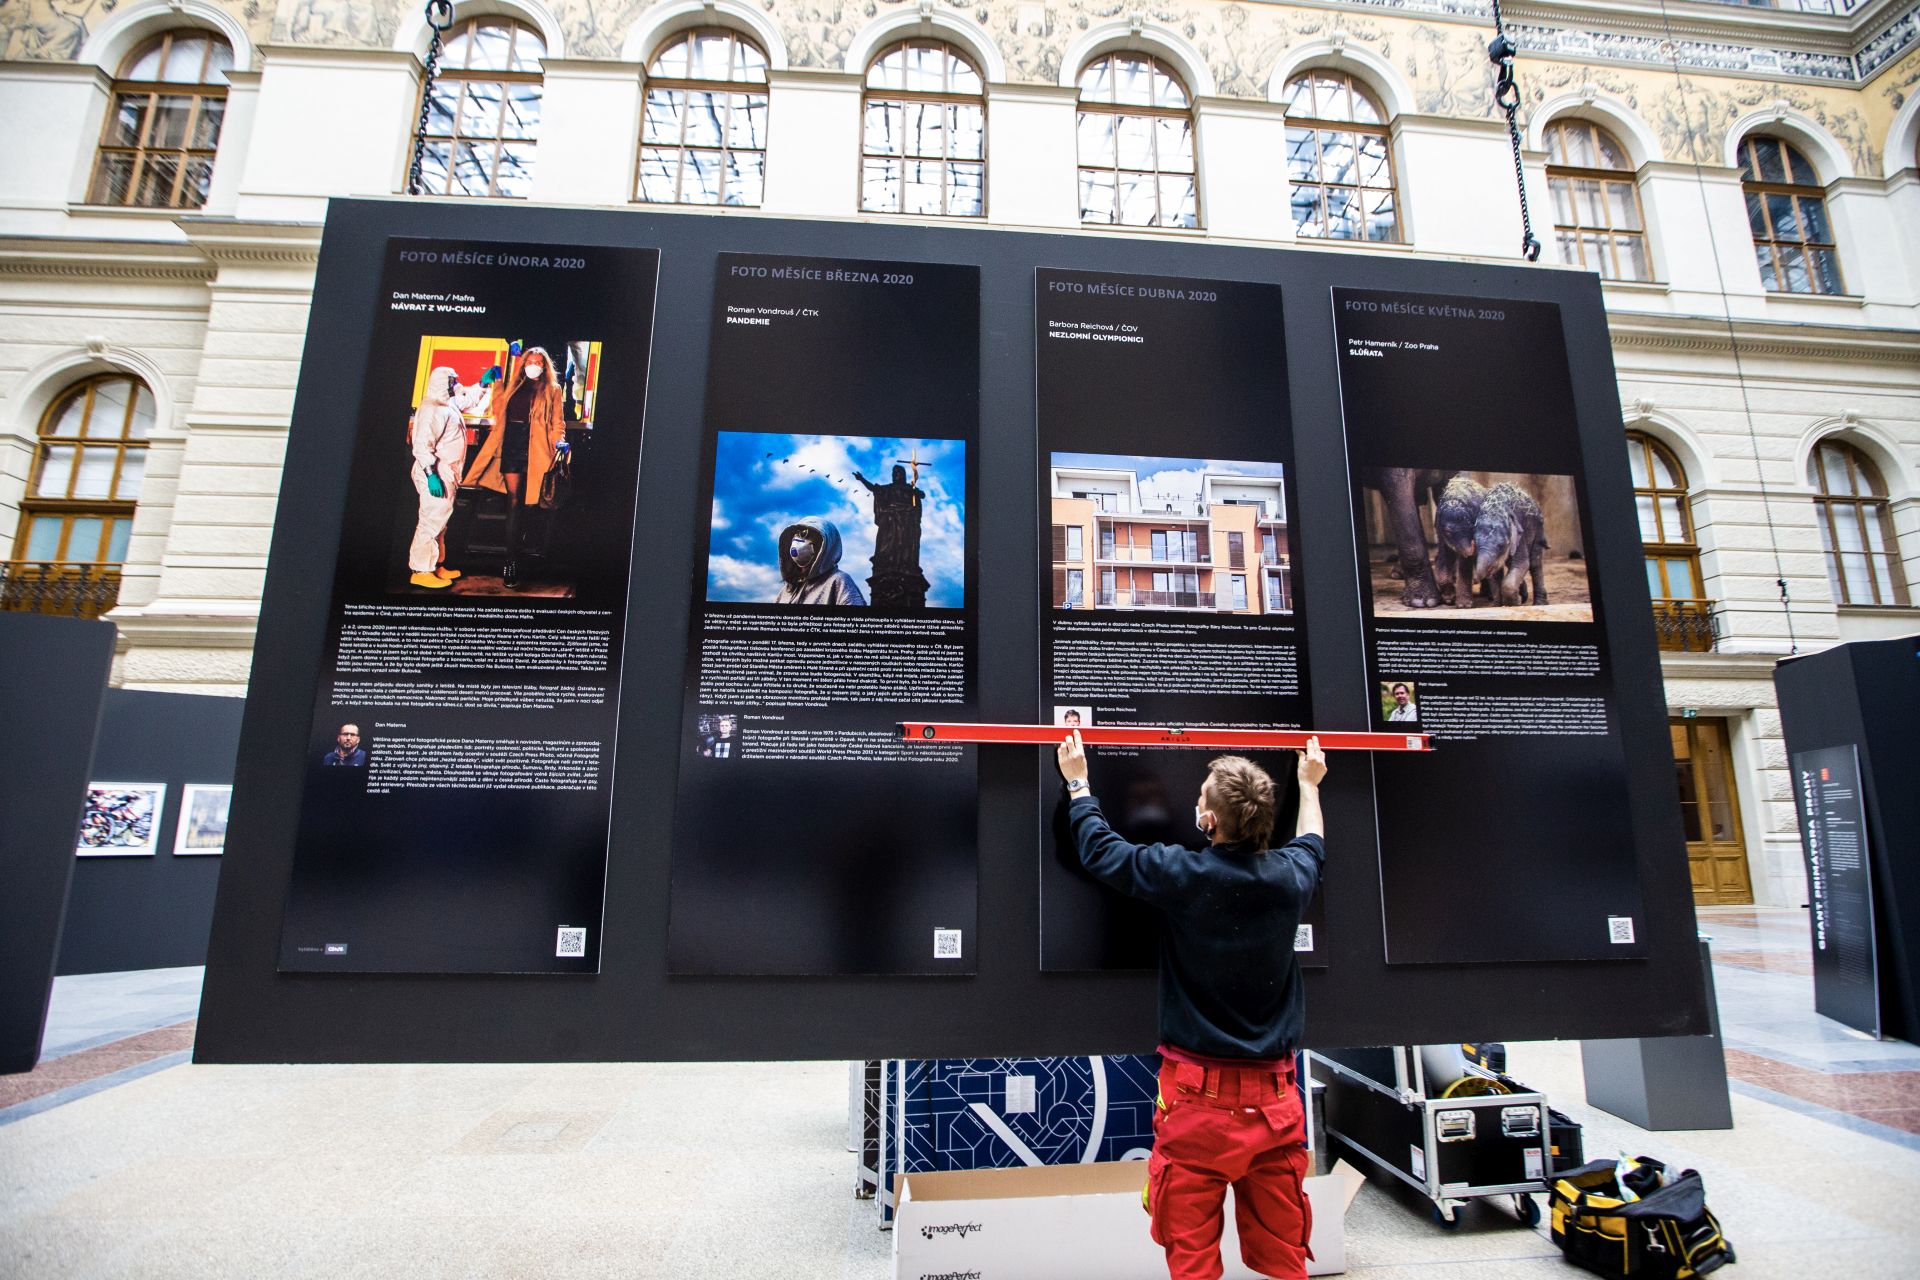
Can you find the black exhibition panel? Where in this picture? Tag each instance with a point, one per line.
(1461, 410)
(795, 677)
(56, 672)
(1851, 710)
(635, 1007)
(455, 811)
(1179, 493)
(153, 912)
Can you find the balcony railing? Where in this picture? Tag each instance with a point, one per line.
(70, 590)
(1146, 555)
(1160, 600)
(1685, 626)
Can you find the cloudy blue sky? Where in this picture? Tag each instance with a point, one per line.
(763, 482)
(1175, 480)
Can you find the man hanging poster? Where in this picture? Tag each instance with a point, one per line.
(455, 815)
(1172, 596)
(837, 599)
(1482, 628)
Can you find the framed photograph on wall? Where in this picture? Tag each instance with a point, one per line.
(203, 820)
(121, 819)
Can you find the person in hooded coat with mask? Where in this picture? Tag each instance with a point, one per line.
(528, 439)
(810, 570)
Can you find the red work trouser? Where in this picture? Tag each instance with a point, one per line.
(1216, 1126)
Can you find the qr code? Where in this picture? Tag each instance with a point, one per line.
(946, 944)
(1619, 929)
(1303, 938)
(572, 942)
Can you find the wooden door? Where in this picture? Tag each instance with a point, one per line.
(1710, 812)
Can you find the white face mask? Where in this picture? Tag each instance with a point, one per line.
(1198, 814)
(801, 550)
(534, 371)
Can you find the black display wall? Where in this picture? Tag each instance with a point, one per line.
(633, 1009)
(1866, 695)
(56, 670)
(151, 912)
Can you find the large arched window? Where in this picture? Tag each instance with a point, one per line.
(1136, 144)
(157, 148)
(924, 147)
(485, 113)
(1682, 616)
(1787, 207)
(1596, 203)
(1339, 160)
(705, 136)
(89, 461)
(1856, 526)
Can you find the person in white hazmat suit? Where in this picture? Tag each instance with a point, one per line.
(438, 438)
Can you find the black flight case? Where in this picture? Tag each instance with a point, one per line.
(1472, 1136)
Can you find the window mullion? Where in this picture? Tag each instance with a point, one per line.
(1866, 549)
(1833, 550)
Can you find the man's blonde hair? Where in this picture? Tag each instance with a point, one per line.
(1240, 794)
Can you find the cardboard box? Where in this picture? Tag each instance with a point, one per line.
(1071, 1222)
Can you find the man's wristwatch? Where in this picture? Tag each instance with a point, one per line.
(1076, 785)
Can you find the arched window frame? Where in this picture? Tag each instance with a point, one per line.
(462, 108)
(677, 151)
(1171, 137)
(1325, 107)
(161, 132)
(89, 464)
(1856, 525)
(1793, 240)
(1666, 519)
(1597, 215)
(959, 160)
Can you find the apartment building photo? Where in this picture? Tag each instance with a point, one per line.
(1179, 534)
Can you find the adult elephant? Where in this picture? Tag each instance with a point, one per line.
(1404, 490)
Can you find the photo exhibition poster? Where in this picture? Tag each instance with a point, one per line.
(459, 769)
(1171, 586)
(1483, 627)
(835, 598)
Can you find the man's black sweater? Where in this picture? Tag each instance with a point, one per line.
(1229, 983)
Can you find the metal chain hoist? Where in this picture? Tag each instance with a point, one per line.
(1506, 94)
(439, 19)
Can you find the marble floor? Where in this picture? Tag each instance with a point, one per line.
(135, 1162)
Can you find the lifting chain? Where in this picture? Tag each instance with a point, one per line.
(1506, 93)
(439, 18)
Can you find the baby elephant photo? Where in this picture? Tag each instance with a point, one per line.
(1498, 545)
(1510, 543)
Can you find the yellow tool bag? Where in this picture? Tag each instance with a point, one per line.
(1657, 1225)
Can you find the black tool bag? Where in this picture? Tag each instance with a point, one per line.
(1667, 1232)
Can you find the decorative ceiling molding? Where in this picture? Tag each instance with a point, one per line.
(1803, 40)
(1706, 336)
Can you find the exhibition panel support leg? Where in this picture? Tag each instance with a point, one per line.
(1666, 1082)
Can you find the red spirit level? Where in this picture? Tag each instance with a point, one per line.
(1048, 735)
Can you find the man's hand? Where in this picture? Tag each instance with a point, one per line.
(1072, 758)
(1313, 764)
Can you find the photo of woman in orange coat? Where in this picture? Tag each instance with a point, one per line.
(529, 435)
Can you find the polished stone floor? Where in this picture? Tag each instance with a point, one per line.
(138, 1164)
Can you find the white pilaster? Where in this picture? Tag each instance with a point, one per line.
(1456, 185)
(1033, 155)
(589, 132)
(1243, 177)
(331, 122)
(54, 113)
(813, 143)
